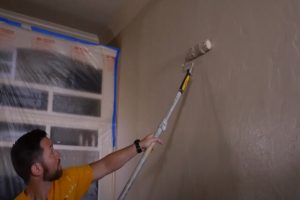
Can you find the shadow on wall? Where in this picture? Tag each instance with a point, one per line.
(223, 183)
(226, 177)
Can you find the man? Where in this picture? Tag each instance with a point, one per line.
(36, 161)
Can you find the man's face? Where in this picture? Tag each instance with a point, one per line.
(50, 161)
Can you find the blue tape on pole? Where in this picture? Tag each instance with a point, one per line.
(114, 117)
(10, 22)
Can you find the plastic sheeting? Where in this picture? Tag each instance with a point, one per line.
(58, 85)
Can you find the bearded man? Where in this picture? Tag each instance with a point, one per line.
(38, 164)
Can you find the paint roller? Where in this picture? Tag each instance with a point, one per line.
(193, 53)
(198, 50)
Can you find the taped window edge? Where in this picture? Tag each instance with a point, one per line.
(66, 37)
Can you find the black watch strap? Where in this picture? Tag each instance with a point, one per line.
(137, 146)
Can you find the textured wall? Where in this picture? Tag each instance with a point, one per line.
(236, 132)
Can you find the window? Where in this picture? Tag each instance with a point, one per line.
(23, 97)
(6, 63)
(11, 131)
(76, 105)
(50, 91)
(54, 69)
(76, 137)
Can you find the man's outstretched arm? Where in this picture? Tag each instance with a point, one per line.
(117, 159)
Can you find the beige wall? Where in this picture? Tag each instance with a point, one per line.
(235, 134)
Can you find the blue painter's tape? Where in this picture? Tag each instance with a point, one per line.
(10, 22)
(114, 117)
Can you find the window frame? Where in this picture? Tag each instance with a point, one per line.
(49, 118)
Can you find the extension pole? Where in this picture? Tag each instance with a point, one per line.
(193, 53)
(162, 127)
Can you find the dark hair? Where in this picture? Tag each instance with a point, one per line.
(26, 151)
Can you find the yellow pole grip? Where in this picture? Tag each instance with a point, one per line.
(185, 82)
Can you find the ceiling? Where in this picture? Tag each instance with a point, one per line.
(105, 18)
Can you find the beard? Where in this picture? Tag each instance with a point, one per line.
(52, 176)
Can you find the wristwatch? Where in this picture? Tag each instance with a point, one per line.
(137, 146)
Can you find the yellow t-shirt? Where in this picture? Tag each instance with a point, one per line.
(72, 185)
